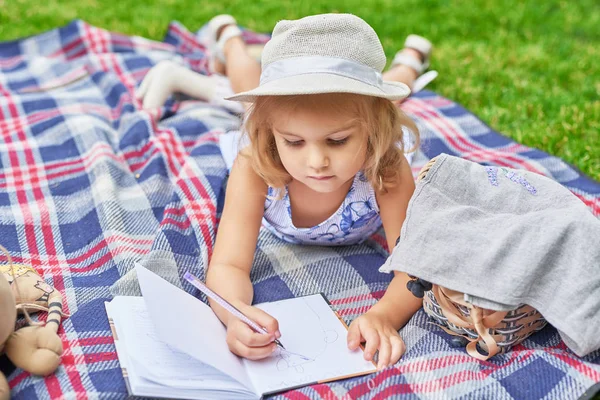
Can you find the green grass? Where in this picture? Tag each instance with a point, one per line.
(530, 69)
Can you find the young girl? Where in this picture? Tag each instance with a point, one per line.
(324, 162)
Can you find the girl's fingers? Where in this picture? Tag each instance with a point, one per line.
(398, 349)
(385, 351)
(262, 319)
(253, 339)
(237, 340)
(354, 337)
(252, 353)
(372, 341)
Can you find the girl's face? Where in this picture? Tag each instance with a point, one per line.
(319, 150)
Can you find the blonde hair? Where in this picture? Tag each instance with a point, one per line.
(379, 119)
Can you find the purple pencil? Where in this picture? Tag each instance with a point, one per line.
(226, 305)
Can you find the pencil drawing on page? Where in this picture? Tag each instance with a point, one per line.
(314, 339)
(320, 338)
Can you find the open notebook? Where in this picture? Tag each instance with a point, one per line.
(171, 344)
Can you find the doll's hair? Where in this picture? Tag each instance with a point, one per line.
(379, 119)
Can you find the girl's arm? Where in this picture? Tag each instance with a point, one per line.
(229, 269)
(379, 326)
(398, 304)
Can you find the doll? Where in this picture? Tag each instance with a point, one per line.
(35, 348)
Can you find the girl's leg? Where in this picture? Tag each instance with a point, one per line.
(241, 68)
(403, 73)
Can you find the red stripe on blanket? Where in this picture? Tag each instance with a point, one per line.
(17, 379)
(578, 365)
(96, 264)
(593, 204)
(295, 395)
(40, 201)
(352, 299)
(99, 357)
(66, 48)
(381, 240)
(324, 391)
(369, 297)
(205, 215)
(430, 365)
(139, 43)
(53, 386)
(170, 147)
(132, 155)
(183, 225)
(14, 163)
(70, 360)
(125, 78)
(200, 217)
(31, 120)
(90, 45)
(174, 211)
(94, 341)
(486, 367)
(376, 294)
(460, 141)
(89, 267)
(162, 143)
(11, 62)
(188, 42)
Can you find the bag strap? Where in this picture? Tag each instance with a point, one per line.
(476, 314)
(475, 321)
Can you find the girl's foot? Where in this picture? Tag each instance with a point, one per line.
(415, 54)
(222, 28)
(410, 63)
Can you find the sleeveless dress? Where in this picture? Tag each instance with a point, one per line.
(355, 220)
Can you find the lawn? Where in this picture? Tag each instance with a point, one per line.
(528, 68)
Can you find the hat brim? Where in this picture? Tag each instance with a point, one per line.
(322, 83)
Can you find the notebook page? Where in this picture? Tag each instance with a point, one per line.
(200, 381)
(188, 325)
(316, 349)
(154, 359)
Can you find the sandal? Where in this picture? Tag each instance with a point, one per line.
(424, 47)
(419, 44)
(423, 80)
(229, 29)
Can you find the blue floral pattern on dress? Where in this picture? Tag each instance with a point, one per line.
(356, 219)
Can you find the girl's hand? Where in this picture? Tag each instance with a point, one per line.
(244, 342)
(379, 334)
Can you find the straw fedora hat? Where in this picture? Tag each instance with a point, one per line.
(327, 53)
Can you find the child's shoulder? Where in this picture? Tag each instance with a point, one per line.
(400, 187)
(243, 173)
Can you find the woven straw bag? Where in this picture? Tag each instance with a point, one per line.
(485, 332)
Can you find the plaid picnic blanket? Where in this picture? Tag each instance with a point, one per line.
(91, 183)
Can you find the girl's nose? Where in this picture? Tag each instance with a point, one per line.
(317, 159)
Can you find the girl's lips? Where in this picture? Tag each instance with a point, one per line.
(321, 178)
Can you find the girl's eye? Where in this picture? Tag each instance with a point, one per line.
(293, 143)
(338, 142)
